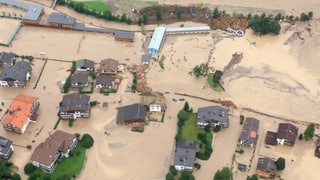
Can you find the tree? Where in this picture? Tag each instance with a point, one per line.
(159, 14)
(264, 25)
(216, 13)
(29, 168)
(300, 136)
(179, 13)
(304, 17)
(224, 174)
(86, 141)
(253, 177)
(201, 70)
(186, 106)
(185, 175)
(169, 176)
(278, 16)
(217, 128)
(217, 76)
(281, 163)
(310, 14)
(15, 176)
(249, 16)
(173, 170)
(309, 132)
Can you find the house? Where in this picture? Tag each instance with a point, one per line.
(74, 106)
(60, 20)
(249, 133)
(7, 59)
(58, 145)
(17, 75)
(105, 81)
(287, 134)
(79, 80)
(132, 114)
(84, 65)
(185, 155)
(317, 149)
(153, 100)
(145, 59)
(109, 66)
(21, 112)
(6, 148)
(242, 167)
(155, 108)
(124, 36)
(213, 116)
(266, 168)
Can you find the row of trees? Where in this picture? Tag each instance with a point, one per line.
(265, 25)
(107, 14)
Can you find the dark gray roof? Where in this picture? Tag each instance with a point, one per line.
(124, 34)
(4, 145)
(85, 63)
(145, 58)
(250, 130)
(287, 131)
(271, 138)
(213, 113)
(266, 164)
(75, 102)
(80, 78)
(33, 10)
(132, 112)
(185, 153)
(60, 18)
(7, 59)
(16, 72)
(104, 80)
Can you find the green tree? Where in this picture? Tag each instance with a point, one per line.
(217, 76)
(16, 176)
(183, 115)
(169, 176)
(278, 16)
(253, 177)
(309, 132)
(86, 141)
(201, 70)
(224, 174)
(179, 13)
(264, 25)
(29, 168)
(281, 163)
(249, 16)
(300, 136)
(186, 106)
(310, 14)
(159, 14)
(173, 170)
(216, 13)
(185, 175)
(123, 17)
(304, 17)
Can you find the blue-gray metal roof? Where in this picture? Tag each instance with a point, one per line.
(33, 10)
(188, 29)
(61, 18)
(157, 38)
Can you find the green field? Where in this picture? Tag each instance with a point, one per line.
(214, 86)
(96, 5)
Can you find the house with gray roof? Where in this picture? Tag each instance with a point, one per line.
(124, 36)
(185, 155)
(60, 20)
(7, 59)
(79, 80)
(105, 81)
(84, 65)
(6, 148)
(17, 75)
(109, 66)
(75, 106)
(213, 116)
(249, 133)
(145, 59)
(287, 134)
(132, 114)
(266, 168)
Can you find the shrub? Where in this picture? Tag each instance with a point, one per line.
(300, 136)
(86, 141)
(169, 176)
(224, 174)
(281, 164)
(241, 119)
(217, 128)
(29, 168)
(16, 176)
(93, 103)
(309, 132)
(2, 103)
(29, 147)
(253, 177)
(77, 135)
(70, 122)
(197, 166)
(173, 170)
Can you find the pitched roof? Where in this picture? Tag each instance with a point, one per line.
(185, 153)
(45, 152)
(287, 131)
(75, 102)
(250, 130)
(19, 109)
(132, 112)
(104, 79)
(85, 63)
(266, 164)
(109, 65)
(80, 78)
(33, 10)
(271, 138)
(17, 71)
(213, 113)
(145, 58)
(7, 59)
(5, 145)
(60, 18)
(124, 34)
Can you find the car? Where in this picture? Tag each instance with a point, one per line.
(181, 99)
(174, 100)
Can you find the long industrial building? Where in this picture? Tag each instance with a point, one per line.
(159, 35)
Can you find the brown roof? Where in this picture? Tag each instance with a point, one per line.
(109, 65)
(75, 102)
(271, 138)
(105, 80)
(45, 152)
(18, 112)
(80, 78)
(287, 131)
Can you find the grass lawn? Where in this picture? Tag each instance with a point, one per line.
(96, 5)
(190, 131)
(215, 86)
(67, 167)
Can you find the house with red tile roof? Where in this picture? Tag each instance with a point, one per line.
(21, 112)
